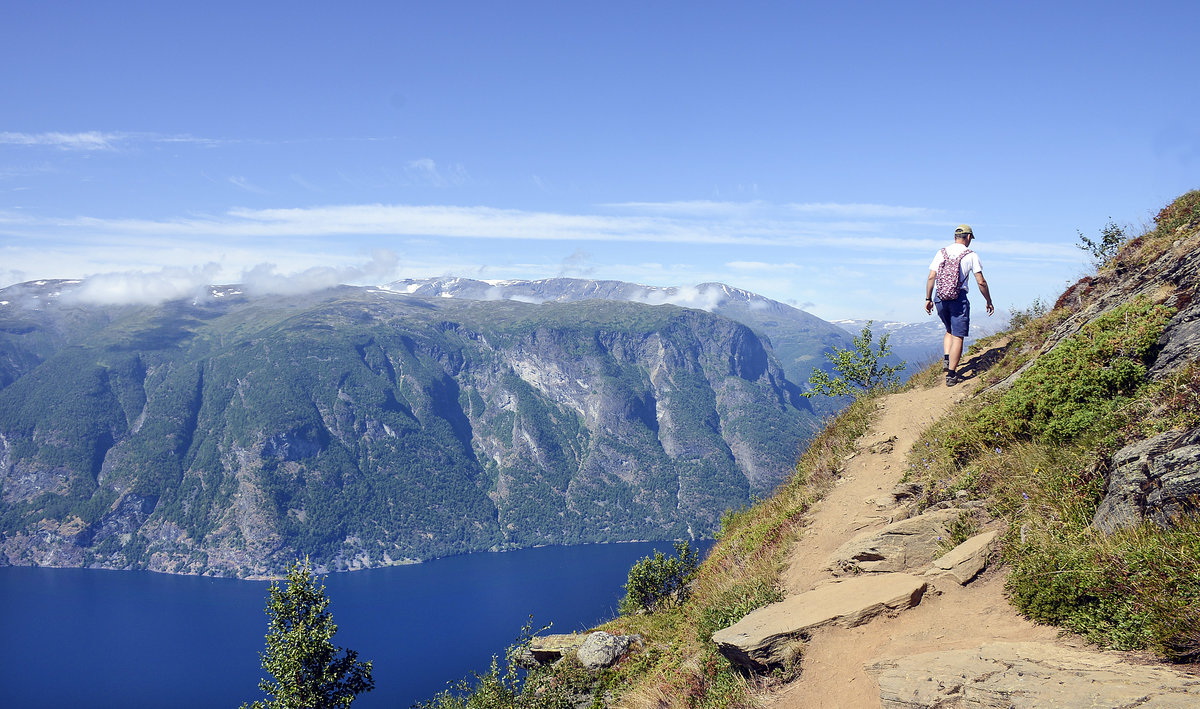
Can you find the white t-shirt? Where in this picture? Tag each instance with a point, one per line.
(970, 264)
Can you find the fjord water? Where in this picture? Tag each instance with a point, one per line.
(81, 637)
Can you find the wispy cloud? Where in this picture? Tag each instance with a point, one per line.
(576, 264)
(243, 184)
(266, 278)
(762, 266)
(867, 237)
(866, 211)
(426, 170)
(694, 208)
(91, 141)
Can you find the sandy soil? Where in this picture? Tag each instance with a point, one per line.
(833, 671)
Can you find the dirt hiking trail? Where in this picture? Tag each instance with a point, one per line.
(949, 616)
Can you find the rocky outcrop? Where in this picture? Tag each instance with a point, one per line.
(1155, 479)
(1029, 676)
(1149, 479)
(595, 650)
(548, 649)
(907, 544)
(130, 513)
(770, 637)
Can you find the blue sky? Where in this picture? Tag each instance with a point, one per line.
(817, 153)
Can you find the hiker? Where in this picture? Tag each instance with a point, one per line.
(951, 273)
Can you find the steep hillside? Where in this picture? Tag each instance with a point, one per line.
(1028, 539)
(229, 434)
(1070, 471)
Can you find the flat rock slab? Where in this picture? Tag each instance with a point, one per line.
(548, 648)
(900, 546)
(763, 639)
(1028, 675)
(965, 561)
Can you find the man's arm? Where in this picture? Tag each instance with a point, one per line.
(929, 292)
(983, 288)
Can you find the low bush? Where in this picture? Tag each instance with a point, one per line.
(657, 580)
(1076, 387)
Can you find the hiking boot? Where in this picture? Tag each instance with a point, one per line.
(952, 378)
(945, 365)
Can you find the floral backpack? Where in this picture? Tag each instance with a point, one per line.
(949, 282)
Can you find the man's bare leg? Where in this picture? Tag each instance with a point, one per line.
(953, 346)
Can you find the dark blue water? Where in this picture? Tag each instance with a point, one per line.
(87, 638)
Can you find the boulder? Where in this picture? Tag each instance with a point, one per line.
(1028, 675)
(1156, 479)
(965, 561)
(907, 544)
(766, 638)
(601, 649)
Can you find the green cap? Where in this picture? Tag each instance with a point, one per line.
(963, 230)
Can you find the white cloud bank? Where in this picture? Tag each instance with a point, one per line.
(173, 283)
(131, 287)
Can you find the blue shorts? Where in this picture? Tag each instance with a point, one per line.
(955, 315)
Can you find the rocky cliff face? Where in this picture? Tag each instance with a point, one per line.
(231, 434)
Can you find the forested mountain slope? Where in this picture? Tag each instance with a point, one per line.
(229, 434)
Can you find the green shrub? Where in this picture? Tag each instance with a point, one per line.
(859, 369)
(1020, 318)
(659, 580)
(1112, 238)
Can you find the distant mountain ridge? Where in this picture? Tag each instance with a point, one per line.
(229, 433)
(797, 338)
